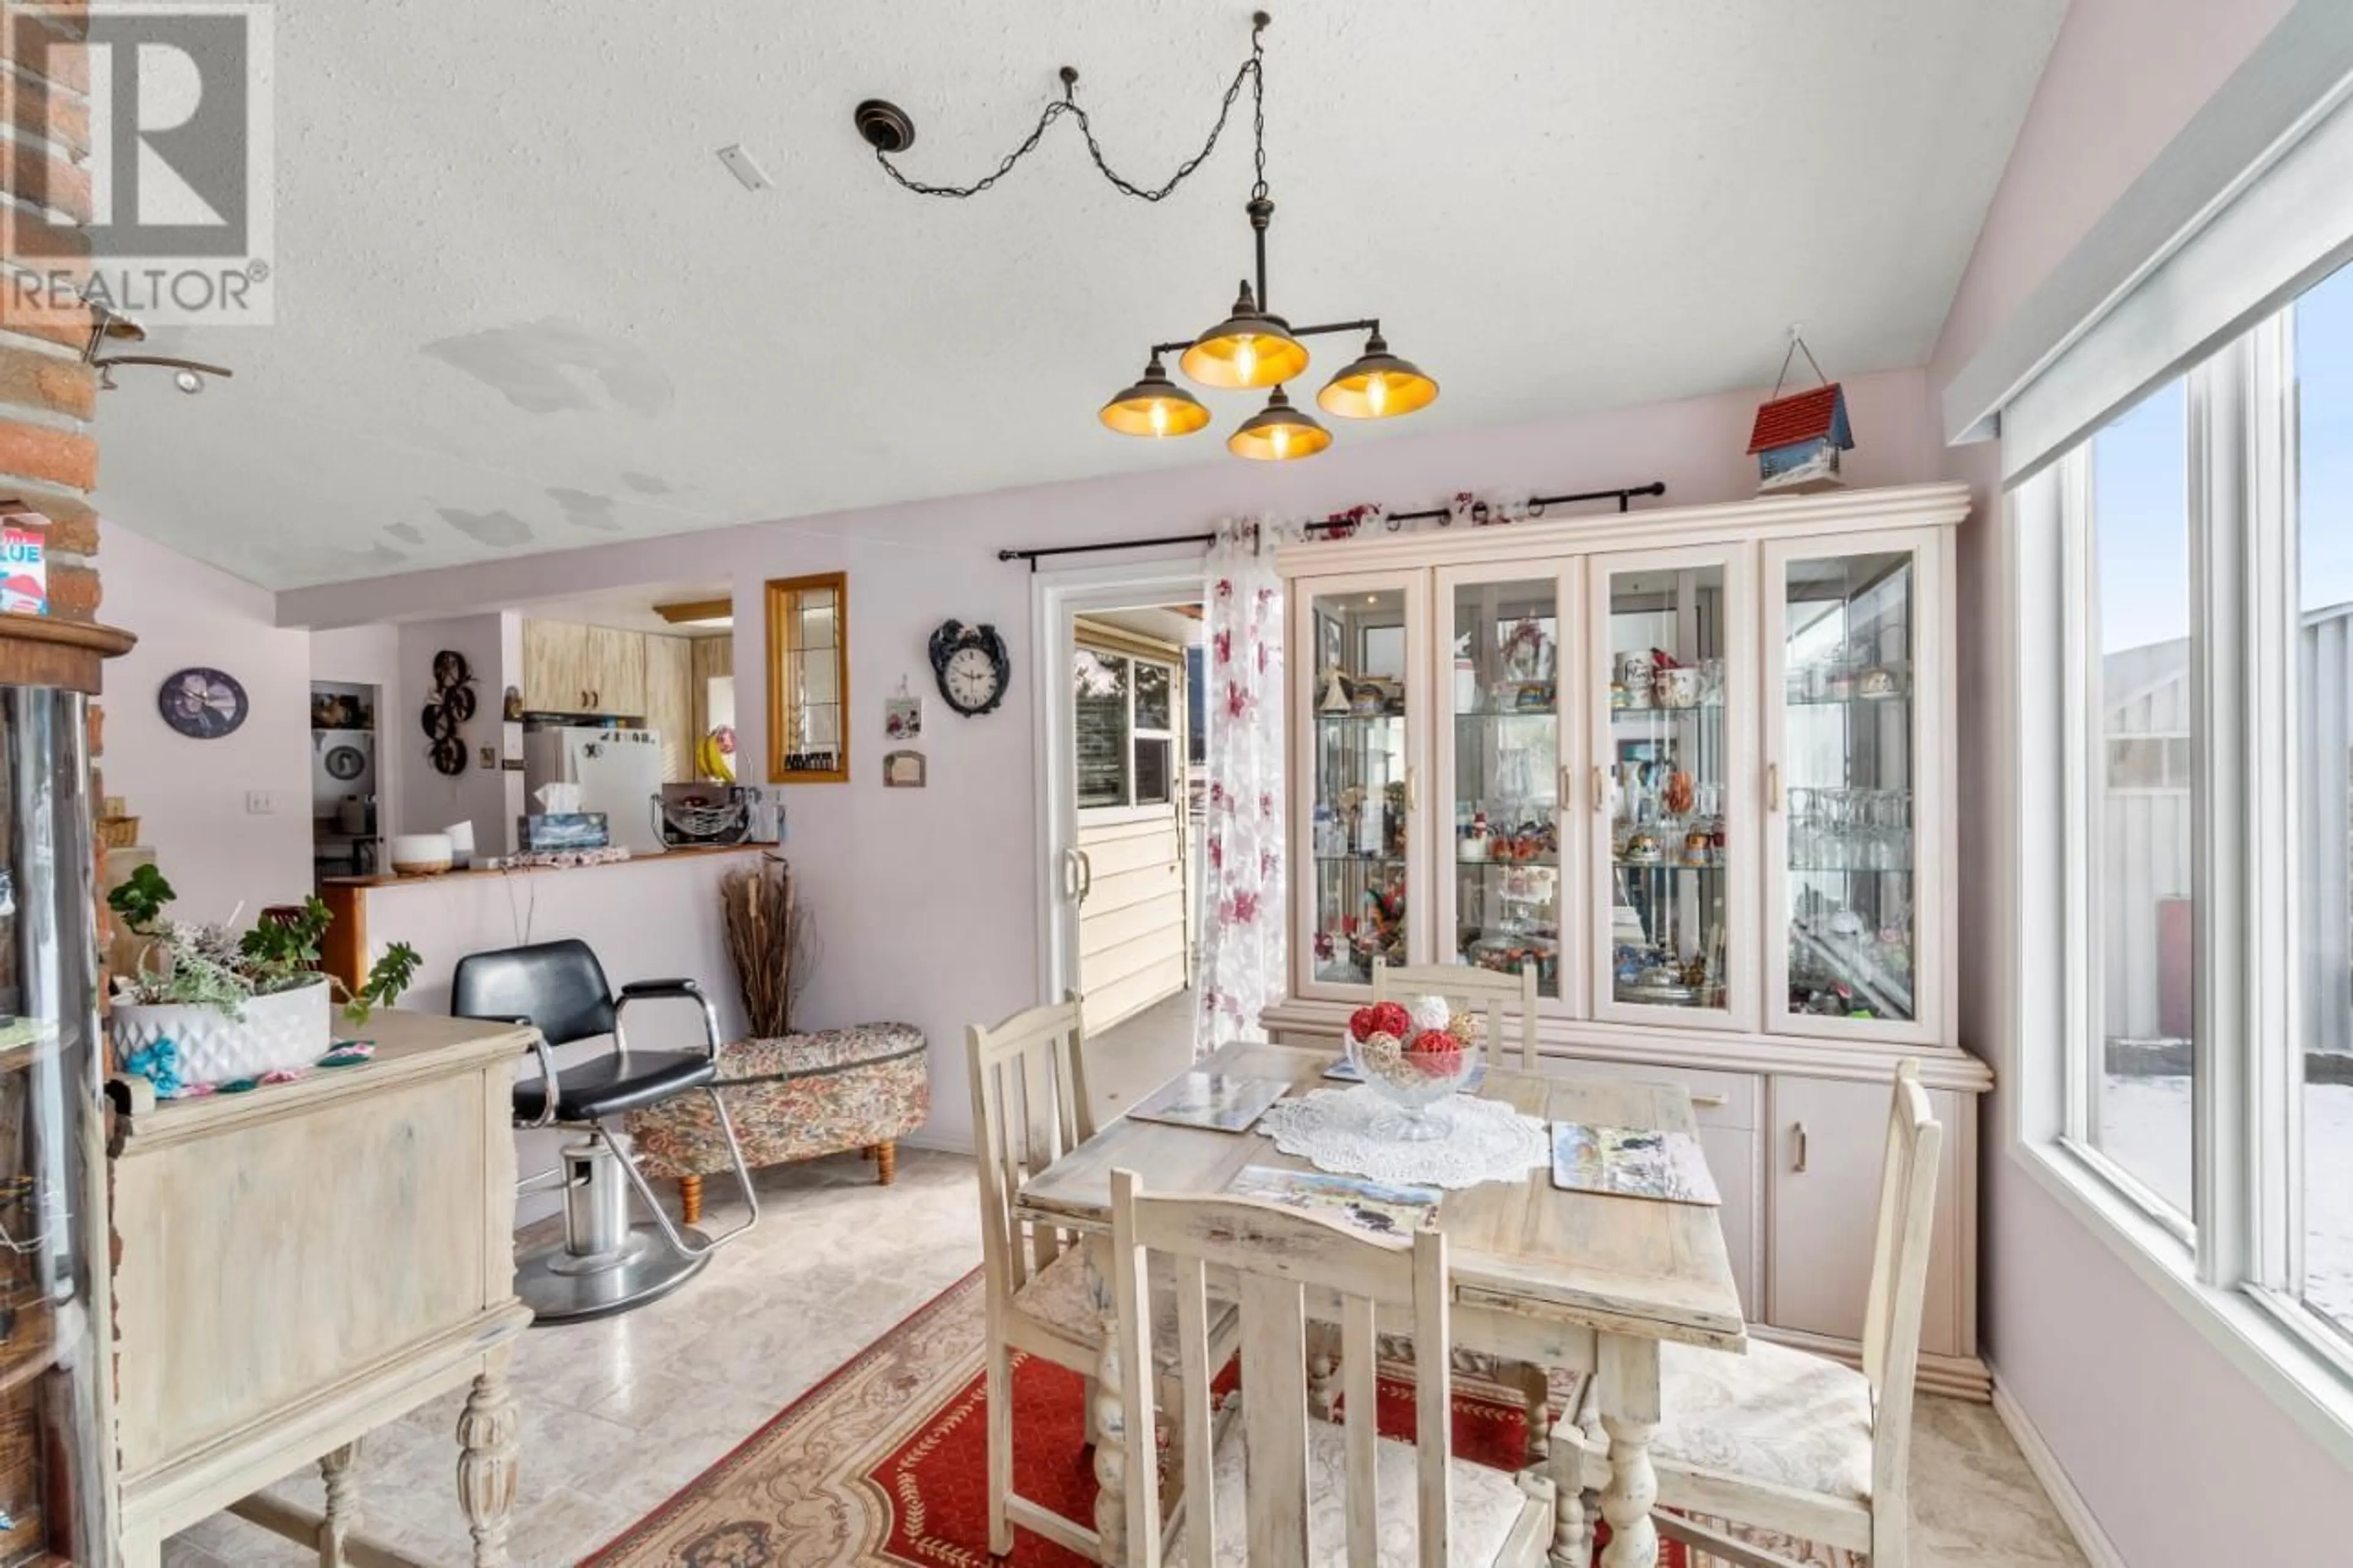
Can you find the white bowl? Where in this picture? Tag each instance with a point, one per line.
(421, 854)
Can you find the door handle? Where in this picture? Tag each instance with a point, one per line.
(1773, 786)
(1086, 874)
(1799, 1129)
(1412, 789)
(1600, 796)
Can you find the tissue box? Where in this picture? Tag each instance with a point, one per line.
(24, 571)
(538, 834)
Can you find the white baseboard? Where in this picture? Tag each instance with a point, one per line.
(2090, 1539)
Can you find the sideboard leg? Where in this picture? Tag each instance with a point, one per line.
(340, 1470)
(488, 1433)
(690, 1199)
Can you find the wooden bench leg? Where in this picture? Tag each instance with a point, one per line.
(690, 1199)
(886, 1163)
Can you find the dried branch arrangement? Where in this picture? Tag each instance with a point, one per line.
(772, 942)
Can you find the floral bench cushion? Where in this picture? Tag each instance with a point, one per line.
(794, 1097)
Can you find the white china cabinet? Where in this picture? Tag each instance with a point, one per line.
(1693, 764)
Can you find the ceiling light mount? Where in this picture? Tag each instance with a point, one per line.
(885, 126)
(1253, 347)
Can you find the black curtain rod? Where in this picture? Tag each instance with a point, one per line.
(1624, 497)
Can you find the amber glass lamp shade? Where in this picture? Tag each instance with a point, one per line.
(1155, 406)
(1249, 347)
(1377, 385)
(1278, 433)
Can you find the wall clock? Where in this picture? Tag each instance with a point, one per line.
(201, 703)
(971, 667)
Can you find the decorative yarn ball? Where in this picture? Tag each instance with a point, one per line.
(1429, 1013)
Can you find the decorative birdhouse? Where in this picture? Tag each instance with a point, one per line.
(1797, 441)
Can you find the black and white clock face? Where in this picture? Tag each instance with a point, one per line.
(970, 680)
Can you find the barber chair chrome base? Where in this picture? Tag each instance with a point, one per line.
(603, 1263)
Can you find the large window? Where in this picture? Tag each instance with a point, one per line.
(1125, 714)
(2324, 731)
(2137, 1110)
(2183, 683)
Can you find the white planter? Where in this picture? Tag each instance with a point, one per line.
(285, 1029)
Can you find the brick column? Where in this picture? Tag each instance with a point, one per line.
(48, 453)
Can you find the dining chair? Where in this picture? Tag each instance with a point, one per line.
(1277, 1488)
(1790, 1442)
(1030, 1108)
(1490, 993)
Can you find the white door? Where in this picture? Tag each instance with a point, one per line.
(1127, 731)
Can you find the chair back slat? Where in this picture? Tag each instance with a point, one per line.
(1899, 1283)
(1494, 996)
(1359, 1390)
(1274, 1257)
(1029, 1107)
(1274, 1418)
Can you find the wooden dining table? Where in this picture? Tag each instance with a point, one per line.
(1557, 1278)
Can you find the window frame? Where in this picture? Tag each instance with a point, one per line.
(2232, 1264)
(1092, 640)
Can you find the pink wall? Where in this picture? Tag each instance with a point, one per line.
(190, 796)
(2107, 1372)
(926, 898)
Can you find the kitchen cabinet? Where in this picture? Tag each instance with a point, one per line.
(670, 703)
(1694, 766)
(569, 669)
(1829, 1140)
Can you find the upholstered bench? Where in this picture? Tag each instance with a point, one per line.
(793, 1098)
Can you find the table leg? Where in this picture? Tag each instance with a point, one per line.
(339, 1471)
(488, 1443)
(1629, 1414)
(1109, 1411)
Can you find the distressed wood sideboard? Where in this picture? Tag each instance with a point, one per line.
(305, 1262)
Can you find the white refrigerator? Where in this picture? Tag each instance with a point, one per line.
(619, 773)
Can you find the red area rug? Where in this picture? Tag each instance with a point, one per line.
(884, 1463)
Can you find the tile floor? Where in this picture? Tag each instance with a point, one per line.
(618, 1415)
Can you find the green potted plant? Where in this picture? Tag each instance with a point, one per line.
(208, 1005)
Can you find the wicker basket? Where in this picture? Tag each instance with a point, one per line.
(117, 832)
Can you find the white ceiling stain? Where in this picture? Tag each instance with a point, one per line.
(499, 530)
(586, 508)
(547, 283)
(537, 367)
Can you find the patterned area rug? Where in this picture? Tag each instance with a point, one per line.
(883, 1464)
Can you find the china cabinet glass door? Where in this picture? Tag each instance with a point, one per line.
(1360, 650)
(1671, 678)
(1502, 883)
(1854, 783)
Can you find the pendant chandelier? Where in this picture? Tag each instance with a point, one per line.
(1252, 347)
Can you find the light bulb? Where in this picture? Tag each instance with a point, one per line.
(1282, 441)
(1246, 362)
(1376, 394)
(189, 382)
(1159, 417)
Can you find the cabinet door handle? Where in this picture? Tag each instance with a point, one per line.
(1773, 786)
(1708, 1101)
(1600, 797)
(1412, 789)
(1799, 1129)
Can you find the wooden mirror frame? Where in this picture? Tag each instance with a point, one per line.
(784, 614)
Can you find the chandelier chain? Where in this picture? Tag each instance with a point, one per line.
(1252, 71)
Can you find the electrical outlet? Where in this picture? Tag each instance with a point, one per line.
(261, 803)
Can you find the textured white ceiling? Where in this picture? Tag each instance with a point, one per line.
(523, 308)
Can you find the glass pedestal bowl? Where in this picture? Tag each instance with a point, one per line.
(1418, 1086)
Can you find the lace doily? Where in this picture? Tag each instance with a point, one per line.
(1332, 1129)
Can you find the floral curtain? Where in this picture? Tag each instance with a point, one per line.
(1243, 912)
